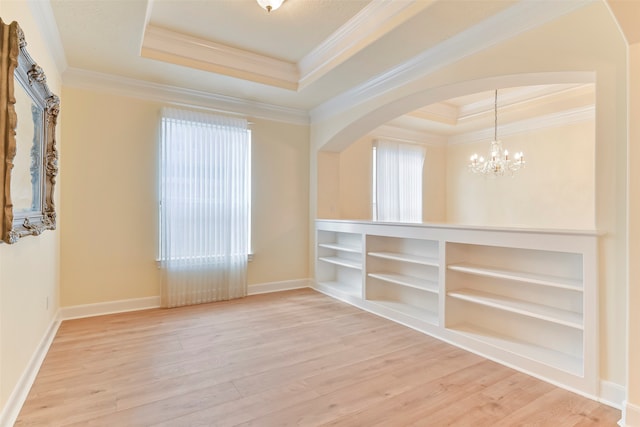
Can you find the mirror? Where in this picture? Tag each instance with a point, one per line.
(28, 156)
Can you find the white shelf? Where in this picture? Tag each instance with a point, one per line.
(538, 279)
(409, 310)
(343, 262)
(340, 247)
(411, 282)
(345, 288)
(538, 311)
(415, 259)
(556, 359)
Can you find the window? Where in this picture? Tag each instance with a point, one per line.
(205, 194)
(397, 181)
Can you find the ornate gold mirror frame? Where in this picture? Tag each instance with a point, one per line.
(28, 141)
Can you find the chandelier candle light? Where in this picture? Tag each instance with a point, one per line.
(498, 162)
(270, 5)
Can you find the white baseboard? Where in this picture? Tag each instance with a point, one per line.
(121, 306)
(630, 415)
(285, 285)
(109, 307)
(612, 394)
(20, 392)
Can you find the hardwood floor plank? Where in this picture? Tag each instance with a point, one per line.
(289, 358)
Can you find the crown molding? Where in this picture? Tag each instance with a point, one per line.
(523, 16)
(85, 79)
(374, 21)
(440, 112)
(395, 133)
(525, 95)
(46, 22)
(547, 121)
(181, 49)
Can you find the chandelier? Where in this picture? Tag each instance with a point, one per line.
(270, 5)
(498, 163)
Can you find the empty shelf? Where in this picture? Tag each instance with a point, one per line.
(554, 358)
(344, 262)
(343, 287)
(538, 311)
(415, 259)
(340, 247)
(539, 279)
(409, 281)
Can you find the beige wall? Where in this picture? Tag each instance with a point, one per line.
(633, 361)
(29, 269)
(349, 174)
(280, 205)
(355, 180)
(554, 190)
(109, 243)
(586, 40)
(434, 190)
(328, 167)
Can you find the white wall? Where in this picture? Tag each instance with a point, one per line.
(29, 269)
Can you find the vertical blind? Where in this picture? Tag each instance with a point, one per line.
(204, 207)
(398, 181)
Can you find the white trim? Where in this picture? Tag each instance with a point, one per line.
(527, 95)
(285, 285)
(178, 48)
(108, 307)
(517, 19)
(440, 112)
(85, 79)
(46, 22)
(399, 134)
(612, 394)
(20, 392)
(135, 304)
(630, 415)
(561, 118)
(372, 22)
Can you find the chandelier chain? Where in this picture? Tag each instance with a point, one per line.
(495, 115)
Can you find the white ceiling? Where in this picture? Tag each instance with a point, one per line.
(297, 57)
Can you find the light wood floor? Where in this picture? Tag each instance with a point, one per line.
(290, 358)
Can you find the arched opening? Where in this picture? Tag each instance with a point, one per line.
(551, 119)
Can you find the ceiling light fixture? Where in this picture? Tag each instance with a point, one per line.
(270, 5)
(498, 162)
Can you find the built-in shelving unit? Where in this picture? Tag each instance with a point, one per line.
(526, 298)
(402, 274)
(340, 262)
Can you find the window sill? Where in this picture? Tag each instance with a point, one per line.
(249, 259)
